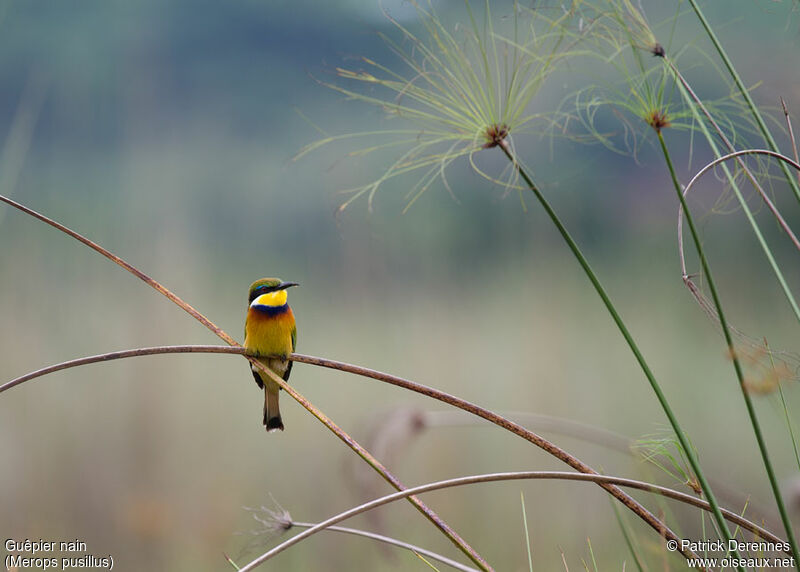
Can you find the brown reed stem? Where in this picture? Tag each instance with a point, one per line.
(492, 477)
(506, 424)
(129, 267)
(375, 464)
(391, 542)
(341, 434)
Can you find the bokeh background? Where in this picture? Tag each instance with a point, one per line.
(165, 131)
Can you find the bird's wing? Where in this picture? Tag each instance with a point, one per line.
(294, 345)
(257, 377)
(256, 374)
(288, 371)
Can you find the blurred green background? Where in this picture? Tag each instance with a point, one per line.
(165, 131)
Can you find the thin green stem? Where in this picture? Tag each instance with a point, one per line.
(786, 415)
(528, 534)
(736, 363)
(230, 561)
(694, 102)
(627, 536)
(789, 425)
(673, 420)
(745, 94)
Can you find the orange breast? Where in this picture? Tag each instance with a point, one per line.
(269, 334)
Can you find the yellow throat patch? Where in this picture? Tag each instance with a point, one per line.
(273, 299)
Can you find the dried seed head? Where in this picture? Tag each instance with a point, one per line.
(658, 120)
(658, 50)
(694, 484)
(764, 370)
(494, 135)
(274, 522)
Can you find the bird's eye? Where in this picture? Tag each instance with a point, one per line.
(264, 289)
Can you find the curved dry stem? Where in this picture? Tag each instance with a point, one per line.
(129, 267)
(788, 358)
(238, 350)
(594, 435)
(791, 133)
(563, 426)
(737, 366)
(506, 424)
(445, 528)
(392, 542)
(285, 525)
(762, 126)
(522, 475)
(708, 167)
(305, 403)
(756, 185)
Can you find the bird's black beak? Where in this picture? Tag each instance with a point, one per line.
(285, 285)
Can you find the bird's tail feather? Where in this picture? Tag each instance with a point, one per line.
(272, 412)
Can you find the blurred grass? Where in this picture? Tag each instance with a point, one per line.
(175, 155)
(166, 450)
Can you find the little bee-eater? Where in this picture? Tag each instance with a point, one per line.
(269, 329)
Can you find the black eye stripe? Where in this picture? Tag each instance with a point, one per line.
(261, 290)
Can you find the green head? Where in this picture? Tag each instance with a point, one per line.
(271, 286)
